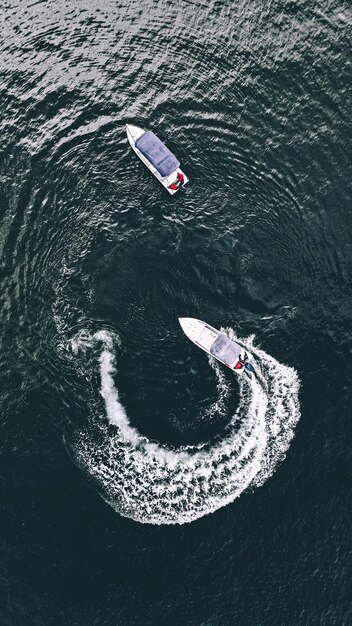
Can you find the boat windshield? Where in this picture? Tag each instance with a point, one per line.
(225, 349)
(157, 153)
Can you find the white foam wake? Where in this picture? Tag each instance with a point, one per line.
(153, 484)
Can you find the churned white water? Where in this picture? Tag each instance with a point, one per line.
(152, 483)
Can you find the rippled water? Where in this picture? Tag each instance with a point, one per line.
(102, 394)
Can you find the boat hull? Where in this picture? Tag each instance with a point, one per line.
(133, 133)
(204, 336)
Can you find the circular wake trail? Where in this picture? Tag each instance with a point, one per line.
(154, 484)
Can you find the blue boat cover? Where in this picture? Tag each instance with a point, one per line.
(157, 153)
(225, 349)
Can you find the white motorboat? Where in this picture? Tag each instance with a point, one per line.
(217, 344)
(157, 157)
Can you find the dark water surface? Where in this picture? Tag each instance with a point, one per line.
(101, 393)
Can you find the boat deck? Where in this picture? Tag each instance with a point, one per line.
(206, 338)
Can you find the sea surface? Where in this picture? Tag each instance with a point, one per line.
(142, 483)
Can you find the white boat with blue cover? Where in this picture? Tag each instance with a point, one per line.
(217, 344)
(157, 157)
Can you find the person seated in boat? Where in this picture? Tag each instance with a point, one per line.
(241, 361)
(178, 183)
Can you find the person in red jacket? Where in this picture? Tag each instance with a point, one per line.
(179, 182)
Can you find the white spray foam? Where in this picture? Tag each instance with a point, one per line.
(153, 484)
